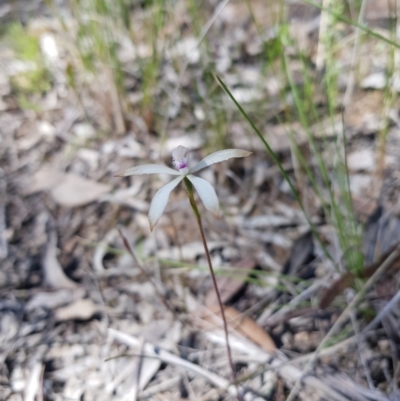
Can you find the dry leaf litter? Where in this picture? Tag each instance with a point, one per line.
(79, 319)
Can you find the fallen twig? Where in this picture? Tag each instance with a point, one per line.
(384, 266)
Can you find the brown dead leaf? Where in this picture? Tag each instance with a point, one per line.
(68, 190)
(148, 118)
(347, 279)
(243, 325)
(83, 309)
(229, 287)
(301, 254)
(45, 178)
(53, 273)
(76, 191)
(336, 289)
(54, 299)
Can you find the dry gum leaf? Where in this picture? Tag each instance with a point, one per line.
(347, 279)
(68, 190)
(53, 273)
(245, 326)
(83, 309)
(229, 287)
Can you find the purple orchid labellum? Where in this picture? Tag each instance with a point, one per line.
(180, 161)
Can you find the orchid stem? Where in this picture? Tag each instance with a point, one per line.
(189, 191)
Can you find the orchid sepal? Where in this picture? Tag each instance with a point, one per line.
(150, 169)
(160, 200)
(206, 193)
(218, 157)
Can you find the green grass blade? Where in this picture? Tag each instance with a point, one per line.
(278, 163)
(362, 27)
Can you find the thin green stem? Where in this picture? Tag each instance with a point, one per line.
(189, 191)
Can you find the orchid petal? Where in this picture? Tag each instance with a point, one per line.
(160, 200)
(206, 192)
(149, 169)
(219, 156)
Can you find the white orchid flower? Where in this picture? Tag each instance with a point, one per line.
(180, 161)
